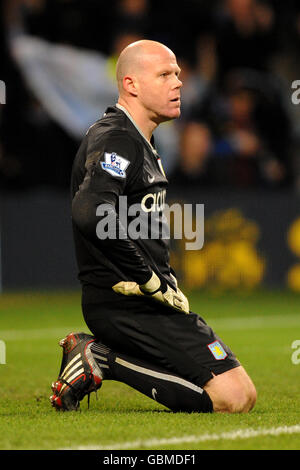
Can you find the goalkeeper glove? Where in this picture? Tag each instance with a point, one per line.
(157, 290)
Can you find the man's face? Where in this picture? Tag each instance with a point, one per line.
(159, 86)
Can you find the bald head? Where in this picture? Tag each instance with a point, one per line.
(135, 57)
(149, 84)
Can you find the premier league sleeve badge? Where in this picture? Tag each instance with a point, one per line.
(115, 165)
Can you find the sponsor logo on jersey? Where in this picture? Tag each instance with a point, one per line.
(217, 350)
(153, 202)
(115, 165)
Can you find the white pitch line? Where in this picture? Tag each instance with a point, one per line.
(231, 435)
(257, 322)
(236, 323)
(37, 333)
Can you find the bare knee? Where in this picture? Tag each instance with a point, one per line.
(232, 392)
(242, 400)
(252, 397)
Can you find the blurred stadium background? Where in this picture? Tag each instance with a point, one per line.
(235, 148)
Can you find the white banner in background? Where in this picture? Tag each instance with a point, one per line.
(73, 85)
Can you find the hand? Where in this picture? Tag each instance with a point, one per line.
(154, 288)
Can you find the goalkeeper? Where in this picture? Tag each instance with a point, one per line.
(144, 333)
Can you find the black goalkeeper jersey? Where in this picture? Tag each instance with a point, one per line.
(118, 196)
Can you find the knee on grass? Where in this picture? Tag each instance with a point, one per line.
(241, 401)
(232, 392)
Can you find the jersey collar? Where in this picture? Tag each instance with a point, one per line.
(119, 106)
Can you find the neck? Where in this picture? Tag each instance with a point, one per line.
(144, 122)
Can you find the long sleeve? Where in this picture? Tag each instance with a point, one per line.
(109, 166)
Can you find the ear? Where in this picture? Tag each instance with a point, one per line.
(130, 85)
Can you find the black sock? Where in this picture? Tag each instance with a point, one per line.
(157, 383)
(100, 353)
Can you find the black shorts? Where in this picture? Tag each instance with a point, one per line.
(146, 330)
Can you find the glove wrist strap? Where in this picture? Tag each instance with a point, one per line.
(152, 286)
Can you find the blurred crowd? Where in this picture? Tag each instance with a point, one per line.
(238, 127)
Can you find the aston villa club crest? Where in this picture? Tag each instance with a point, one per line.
(217, 350)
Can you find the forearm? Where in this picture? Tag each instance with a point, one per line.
(113, 242)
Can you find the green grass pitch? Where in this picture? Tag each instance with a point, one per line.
(260, 327)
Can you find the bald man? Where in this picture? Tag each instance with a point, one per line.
(144, 333)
